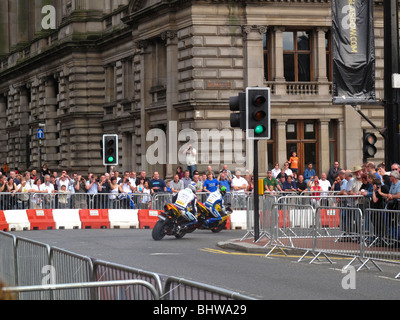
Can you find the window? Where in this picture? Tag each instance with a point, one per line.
(297, 55)
(267, 55)
(328, 48)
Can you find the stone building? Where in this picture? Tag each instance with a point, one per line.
(161, 66)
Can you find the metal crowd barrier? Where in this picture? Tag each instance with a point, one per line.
(331, 224)
(36, 271)
(23, 201)
(181, 289)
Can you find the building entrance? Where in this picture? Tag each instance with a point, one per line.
(302, 138)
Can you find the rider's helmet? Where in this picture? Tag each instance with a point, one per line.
(222, 190)
(192, 187)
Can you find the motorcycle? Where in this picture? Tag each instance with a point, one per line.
(172, 223)
(204, 215)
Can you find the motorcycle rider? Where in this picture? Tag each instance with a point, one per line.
(185, 198)
(215, 198)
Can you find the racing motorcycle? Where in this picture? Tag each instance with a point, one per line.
(204, 215)
(171, 222)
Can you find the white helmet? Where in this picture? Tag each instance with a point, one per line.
(192, 188)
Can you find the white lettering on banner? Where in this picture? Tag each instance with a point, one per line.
(349, 21)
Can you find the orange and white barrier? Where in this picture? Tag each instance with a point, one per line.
(3, 222)
(123, 219)
(41, 219)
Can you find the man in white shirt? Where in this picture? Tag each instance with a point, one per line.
(47, 187)
(324, 183)
(239, 185)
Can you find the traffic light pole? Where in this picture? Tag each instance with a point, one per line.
(392, 95)
(256, 195)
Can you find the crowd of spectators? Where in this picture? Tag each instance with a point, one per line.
(50, 188)
(373, 182)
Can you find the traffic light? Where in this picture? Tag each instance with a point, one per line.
(258, 113)
(369, 149)
(110, 149)
(238, 119)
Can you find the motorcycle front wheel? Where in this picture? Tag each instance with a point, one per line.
(159, 230)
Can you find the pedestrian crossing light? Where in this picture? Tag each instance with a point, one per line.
(369, 141)
(110, 149)
(258, 106)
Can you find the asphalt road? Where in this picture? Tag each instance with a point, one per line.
(197, 257)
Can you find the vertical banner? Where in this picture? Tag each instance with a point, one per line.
(353, 52)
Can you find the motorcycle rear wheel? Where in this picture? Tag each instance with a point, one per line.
(158, 232)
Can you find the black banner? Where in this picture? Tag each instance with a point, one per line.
(353, 52)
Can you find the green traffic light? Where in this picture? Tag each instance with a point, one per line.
(110, 159)
(259, 129)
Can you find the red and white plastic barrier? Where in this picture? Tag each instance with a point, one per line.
(54, 219)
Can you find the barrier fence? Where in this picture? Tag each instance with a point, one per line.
(330, 224)
(24, 201)
(36, 271)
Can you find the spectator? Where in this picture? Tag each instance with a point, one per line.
(271, 181)
(47, 187)
(294, 164)
(324, 183)
(394, 192)
(104, 190)
(63, 197)
(385, 176)
(142, 176)
(336, 183)
(191, 161)
(179, 172)
(333, 172)
(176, 185)
(197, 182)
(287, 170)
(186, 179)
(80, 187)
(45, 170)
(301, 185)
(157, 184)
(145, 199)
(276, 170)
(239, 185)
(211, 184)
(227, 172)
(225, 181)
(289, 185)
(113, 196)
(309, 173)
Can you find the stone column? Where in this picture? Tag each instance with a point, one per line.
(280, 87)
(172, 94)
(324, 164)
(3, 123)
(322, 79)
(50, 152)
(254, 55)
(281, 140)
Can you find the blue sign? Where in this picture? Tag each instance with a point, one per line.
(40, 134)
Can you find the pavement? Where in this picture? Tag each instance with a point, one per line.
(248, 245)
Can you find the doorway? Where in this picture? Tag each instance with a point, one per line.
(302, 138)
